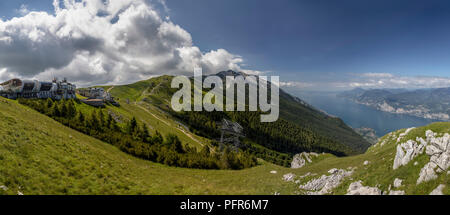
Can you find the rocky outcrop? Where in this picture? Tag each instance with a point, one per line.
(289, 177)
(438, 149)
(396, 192)
(408, 151)
(427, 173)
(301, 159)
(356, 188)
(397, 183)
(400, 137)
(438, 190)
(326, 183)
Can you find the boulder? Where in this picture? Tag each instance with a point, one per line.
(289, 177)
(427, 173)
(366, 163)
(438, 190)
(273, 172)
(397, 182)
(396, 192)
(325, 183)
(438, 148)
(407, 151)
(356, 188)
(301, 159)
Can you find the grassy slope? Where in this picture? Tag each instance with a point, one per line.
(331, 127)
(40, 156)
(157, 91)
(379, 172)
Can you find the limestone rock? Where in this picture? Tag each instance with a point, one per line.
(397, 182)
(273, 172)
(438, 190)
(301, 159)
(407, 151)
(4, 188)
(427, 173)
(400, 137)
(356, 188)
(288, 177)
(397, 192)
(366, 163)
(438, 149)
(305, 175)
(326, 183)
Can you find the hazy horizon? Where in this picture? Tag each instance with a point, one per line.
(311, 45)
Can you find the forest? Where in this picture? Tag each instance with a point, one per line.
(134, 138)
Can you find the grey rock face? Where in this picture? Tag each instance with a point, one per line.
(400, 137)
(356, 188)
(289, 177)
(438, 190)
(326, 183)
(301, 159)
(397, 182)
(396, 192)
(408, 151)
(438, 149)
(427, 173)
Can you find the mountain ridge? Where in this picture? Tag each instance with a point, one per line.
(424, 103)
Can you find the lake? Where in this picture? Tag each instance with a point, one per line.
(357, 115)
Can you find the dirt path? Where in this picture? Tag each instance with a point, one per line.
(184, 132)
(109, 89)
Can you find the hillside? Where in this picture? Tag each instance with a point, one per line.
(324, 133)
(41, 156)
(424, 103)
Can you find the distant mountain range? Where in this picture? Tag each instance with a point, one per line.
(300, 127)
(424, 103)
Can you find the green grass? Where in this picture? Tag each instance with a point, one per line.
(163, 123)
(40, 156)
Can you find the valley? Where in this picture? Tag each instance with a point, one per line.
(425, 103)
(41, 156)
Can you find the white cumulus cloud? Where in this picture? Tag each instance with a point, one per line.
(102, 42)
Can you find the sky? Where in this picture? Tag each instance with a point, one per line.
(311, 45)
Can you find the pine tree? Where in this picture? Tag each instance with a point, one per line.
(80, 117)
(132, 125)
(143, 133)
(206, 151)
(55, 110)
(173, 142)
(94, 121)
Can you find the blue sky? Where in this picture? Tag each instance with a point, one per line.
(404, 38)
(316, 41)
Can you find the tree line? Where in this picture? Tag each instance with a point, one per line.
(134, 138)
